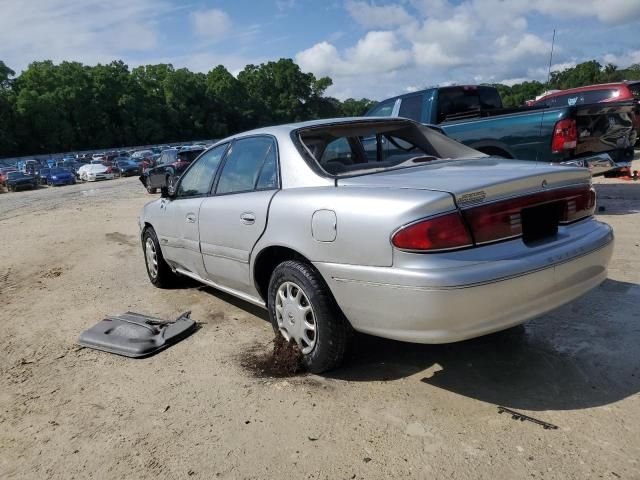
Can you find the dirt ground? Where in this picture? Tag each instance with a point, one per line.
(70, 255)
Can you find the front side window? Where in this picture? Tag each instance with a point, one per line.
(197, 180)
(249, 162)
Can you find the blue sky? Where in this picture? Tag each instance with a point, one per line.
(370, 48)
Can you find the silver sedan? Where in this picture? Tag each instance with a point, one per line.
(384, 226)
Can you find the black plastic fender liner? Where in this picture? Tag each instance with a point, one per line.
(136, 335)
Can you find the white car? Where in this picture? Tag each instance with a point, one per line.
(93, 172)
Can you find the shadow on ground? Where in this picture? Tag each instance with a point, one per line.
(618, 198)
(582, 355)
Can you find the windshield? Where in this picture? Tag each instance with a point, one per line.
(15, 175)
(358, 148)
(57, 170)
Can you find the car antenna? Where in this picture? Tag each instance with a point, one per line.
(553, 42)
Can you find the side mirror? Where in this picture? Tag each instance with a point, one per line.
(167, 191)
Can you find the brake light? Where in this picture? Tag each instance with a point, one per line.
(502, 220)
(565, 135)
(445, 232)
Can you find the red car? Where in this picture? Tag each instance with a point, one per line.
(3, 174)
(603, 93)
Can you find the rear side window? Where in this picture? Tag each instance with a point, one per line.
(250, 163)
(489, 98)
(197, 180)
(583, 98)
(189, 155)
(411, 107)
(456, 102)
(635, 90)
(383, 109)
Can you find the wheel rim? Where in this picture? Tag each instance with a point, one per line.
(295, 317)
(152, 257)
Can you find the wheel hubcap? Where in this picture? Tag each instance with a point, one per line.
(152, 257)
(295, 317)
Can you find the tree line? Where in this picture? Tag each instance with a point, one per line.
(71, 106)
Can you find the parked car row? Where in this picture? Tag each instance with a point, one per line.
(104, 166)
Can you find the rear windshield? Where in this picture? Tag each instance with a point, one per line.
(635, 89)
(582, 98)
(359, 148)
(189, 155)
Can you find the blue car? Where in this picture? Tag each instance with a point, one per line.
(60, 176)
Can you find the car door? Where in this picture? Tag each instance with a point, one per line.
(157, 173)
(233, 219)
(177, 227)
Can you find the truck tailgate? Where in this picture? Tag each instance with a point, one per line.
(603, 127)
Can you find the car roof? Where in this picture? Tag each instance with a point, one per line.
(285, 130)
(588, 88)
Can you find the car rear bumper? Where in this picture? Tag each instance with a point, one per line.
(416, 305)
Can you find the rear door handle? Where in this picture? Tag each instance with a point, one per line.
(248, 218)
(191, 217)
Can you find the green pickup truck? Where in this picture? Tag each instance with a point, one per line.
(598, 136)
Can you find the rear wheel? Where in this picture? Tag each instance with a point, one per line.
(302, 310)
(158, 270)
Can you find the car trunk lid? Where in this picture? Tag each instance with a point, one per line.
(478, 180)
(497, 200)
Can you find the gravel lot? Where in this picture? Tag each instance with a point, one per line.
(70, 255)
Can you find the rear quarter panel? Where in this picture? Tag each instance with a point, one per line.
(365, 219)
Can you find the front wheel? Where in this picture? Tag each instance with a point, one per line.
(302, 310)
(158, 270)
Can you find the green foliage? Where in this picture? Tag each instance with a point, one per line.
(71, 106)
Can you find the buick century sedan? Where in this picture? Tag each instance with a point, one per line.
(382, 226)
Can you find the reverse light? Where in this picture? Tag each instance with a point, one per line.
(565, 135)
(445, 232)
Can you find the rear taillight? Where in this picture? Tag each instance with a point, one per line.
(565, 136)
(445, 232)
(493, 222)
(108, 170)
(502, 220)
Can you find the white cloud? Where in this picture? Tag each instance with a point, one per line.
(90, 31)
(527, 46)
(212, 24)
(607, 11)
(376, 52)
(374, 16)
(623, 60)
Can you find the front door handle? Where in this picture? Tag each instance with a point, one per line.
(191, 217)
(248, 218)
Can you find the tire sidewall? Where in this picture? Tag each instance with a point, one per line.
(324, 309)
